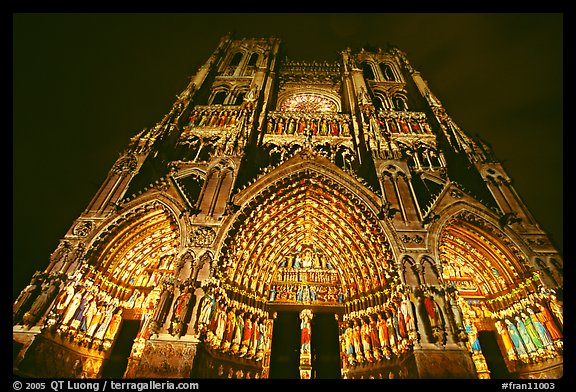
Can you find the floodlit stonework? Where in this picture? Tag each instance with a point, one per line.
(294, 219)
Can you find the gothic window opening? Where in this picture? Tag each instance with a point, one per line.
(399, 103)
(411, 159)
(275, 154)
(367, 71)
(423, 157)
(434, 160)
(344, 158)
(253, 60)
(239, 98)
(236, 59)
(387, 72)
(219, 97)
(390, 188)
(379, 101)
(191, 185)
(410, 271)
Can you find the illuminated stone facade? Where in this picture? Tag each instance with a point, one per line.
(280, 189)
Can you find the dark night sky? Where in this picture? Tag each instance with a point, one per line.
(83, 84)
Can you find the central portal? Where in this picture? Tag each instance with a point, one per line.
(305, 347)
(325, 346)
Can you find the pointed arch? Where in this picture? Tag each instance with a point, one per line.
(411, 271)
(187, 264)
(429, 271)
(253, 61)
(368, 70)
(476, 256)
(306, 217)
(127, 255)
(382, 99)
(387, 70)
(204, 268)
(236, 59)
(399, 101)
(214, 196)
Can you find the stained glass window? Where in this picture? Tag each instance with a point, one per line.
(308, 103)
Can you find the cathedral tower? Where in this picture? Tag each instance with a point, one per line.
(299, 219)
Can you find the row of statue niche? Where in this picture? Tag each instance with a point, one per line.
(377, 336)
(543, 300)
(214, 118)
(314, 275)
(170, 298)
(154, 317)
(320, 126)
(34, 300)
(91, 316)
(138, 278)
(530, 334)
(87, 314)
(402, 125)
(143, 275)
(181, 308)
(306, 293)
(236, 373)
(232, 329)
(307, 258)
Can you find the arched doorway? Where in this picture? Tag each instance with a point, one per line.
(307, 242)
(502, 310)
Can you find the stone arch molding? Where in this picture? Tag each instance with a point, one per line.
(470, 237)
(139, 251)
(300, 208)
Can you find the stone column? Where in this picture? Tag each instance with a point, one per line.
(305, 348)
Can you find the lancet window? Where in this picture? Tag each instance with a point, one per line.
(387, 72)
(367, 71)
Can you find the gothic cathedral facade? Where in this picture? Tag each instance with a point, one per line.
(295, 219)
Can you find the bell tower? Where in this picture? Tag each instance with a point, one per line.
(330, 195)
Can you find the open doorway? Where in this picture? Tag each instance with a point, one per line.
(285, 350)
(116, 365)
(491, 350)
(325, 346)
(324, 343)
